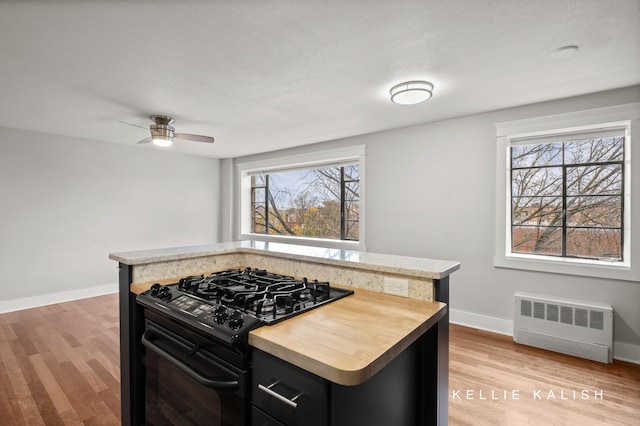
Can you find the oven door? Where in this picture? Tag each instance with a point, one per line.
(187, 385)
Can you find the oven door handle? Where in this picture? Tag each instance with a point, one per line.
(147, 341)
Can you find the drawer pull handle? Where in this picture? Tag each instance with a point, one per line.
(290, 402)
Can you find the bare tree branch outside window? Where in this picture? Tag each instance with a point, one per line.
(567, 198)
(316, 203)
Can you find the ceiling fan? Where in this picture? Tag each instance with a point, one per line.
(163, 133)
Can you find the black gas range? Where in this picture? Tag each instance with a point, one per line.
(196, 357)
(227, 305)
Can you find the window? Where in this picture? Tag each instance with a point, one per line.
(313, 199)
(316, 203)
(567, 196)
(565, 193)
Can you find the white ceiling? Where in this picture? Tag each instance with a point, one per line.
(263, 75)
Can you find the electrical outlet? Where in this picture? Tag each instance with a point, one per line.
(396, 286)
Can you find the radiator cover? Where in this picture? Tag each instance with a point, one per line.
(573, 327)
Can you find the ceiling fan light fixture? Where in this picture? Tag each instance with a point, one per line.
(411, 92)
(162, 134)
(163, 142)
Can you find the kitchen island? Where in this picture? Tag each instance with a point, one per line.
(420, 324)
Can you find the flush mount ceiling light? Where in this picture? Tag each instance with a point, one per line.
(411, 92)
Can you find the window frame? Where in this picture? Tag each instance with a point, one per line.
(565, 227)
(310, 160)
(625, 116)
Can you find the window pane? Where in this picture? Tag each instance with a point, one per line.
(352, 190)
(257, 195)
(536, 210)
(279, 224)
(572, 188)
(258, 180)
(594, 211)
(352, 230)
(308, 202)
(352, 172)
(536, 182)
(594, 243)
(352, 210)
(594, 150)
(352, 219)
(258, 219)
(537, 240)
(605, 179)
(536, 155)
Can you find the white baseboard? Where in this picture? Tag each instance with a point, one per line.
(481, 322)
(621, 351)
(50, 299)
(626, 352)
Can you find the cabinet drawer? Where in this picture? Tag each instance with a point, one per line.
(259, 418)
(288, 393)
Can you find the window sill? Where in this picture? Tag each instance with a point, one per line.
(578, 267)
(313, 242)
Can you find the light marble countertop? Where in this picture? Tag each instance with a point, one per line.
(406, 265)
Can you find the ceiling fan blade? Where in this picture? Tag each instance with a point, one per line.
(147, 140)
(190, 137)
(134, 125)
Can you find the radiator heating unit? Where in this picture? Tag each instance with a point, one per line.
(572, 327)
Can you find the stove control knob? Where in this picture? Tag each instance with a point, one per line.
(236, 320)
(220, 314)
(164, 294)
(155, 288)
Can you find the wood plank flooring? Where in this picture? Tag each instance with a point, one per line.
(59, 365)
(535, 387)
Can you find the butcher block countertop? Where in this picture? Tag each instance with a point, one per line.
(348, 340)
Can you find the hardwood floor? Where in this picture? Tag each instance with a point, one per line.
(535, 387)
(59, 365)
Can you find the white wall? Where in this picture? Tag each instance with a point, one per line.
(431, 193)
(65, 204)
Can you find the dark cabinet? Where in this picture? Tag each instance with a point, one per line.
(283, 394)
(286, 393)
(260, 418)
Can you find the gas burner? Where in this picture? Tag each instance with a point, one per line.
(231, 286)
(229, 304)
